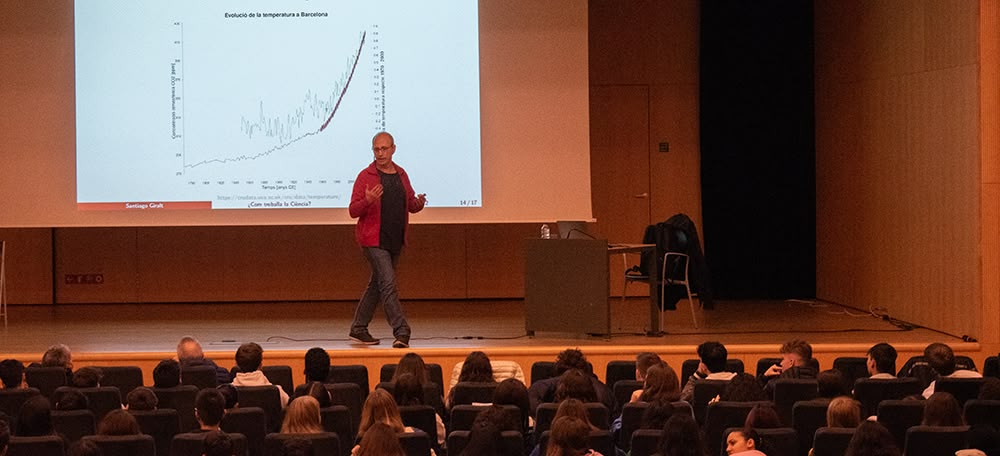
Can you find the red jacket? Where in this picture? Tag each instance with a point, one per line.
(370, 215)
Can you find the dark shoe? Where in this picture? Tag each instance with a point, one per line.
(364, 338)
(402, 342)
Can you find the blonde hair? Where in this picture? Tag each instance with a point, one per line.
(302, 417)
(573, 408)
(843, 412)
(380, 407)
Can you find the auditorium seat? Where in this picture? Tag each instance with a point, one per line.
(281, 376)
(350, 396)
(337, 419)
(788, 391)
(596, 411)
(723, 415)
(11, 400)
(125, 378)
(541, 370)
(74, 424)
(964, 389)
(982, 411)
(45, 379)
(422, 417)
(431, 396)
(200, 377)
(645, 442)
(631, 422)
(619, 370)
(899, 415)
(705, 391)
(180, 398)
(512, 442)
(783, 441)
(462, 416)
(690, 366)
(434, 374)
(161, 424)
(265, 397)
(869, 392)
(124, 445)
(47, 445)
(100, 400)
(193, 444)
(599, 440)
(622, 390)
(352, 373)
(251, 422)
(935, 440)
(852, 367)
(324, 443)
(807, 417)
(829, 441)
(473, 392)
(991, 367)
(416, 443)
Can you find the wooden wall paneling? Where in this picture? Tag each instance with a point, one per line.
(433, 265)
(495, 259)
(675, 176)
(183, 264)
(989, 147)
(951, 33)
(28, 265)
(108, 251)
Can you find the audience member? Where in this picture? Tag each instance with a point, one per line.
(513, 392)
(217, 443)
(942, 359)
(569, 408)
(408, 391)
(167, 374)
(843, 412)
(743, 388)
(942, 409)
(571, 358)
(711, 366)
(882, 361)
(570, 437)
(575, 384)
(682, 437)
(831, 383)
(661, 384)
(317, 365)
(209, 408)
(59, 355)
(381, 408)
(412, 363)
(379, 440)
(190, 354)
(990, 389)
(230, 394)
(87, 377)
(872, 439)
(84, 448)
(317, 391)
(302, 417)
(795, 356)
(12, 374)
(983, 439)
(141, 398)
(475, 368)
(249, 358)
(763, 416)
(643, 361)
(654, 417)
(485, 439)
(743, 442)
(118, 422)
(502, 370)
(35, 418)
(69, 399)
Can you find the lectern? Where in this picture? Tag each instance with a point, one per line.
(566, 286)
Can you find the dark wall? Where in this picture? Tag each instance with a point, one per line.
(758, 147)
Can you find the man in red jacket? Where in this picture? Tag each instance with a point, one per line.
(382, 201)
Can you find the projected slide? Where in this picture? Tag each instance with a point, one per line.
(272, 104)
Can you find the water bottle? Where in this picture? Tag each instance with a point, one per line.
(546, 234)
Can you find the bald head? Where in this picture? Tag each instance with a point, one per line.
(383, 134)
(188, 349)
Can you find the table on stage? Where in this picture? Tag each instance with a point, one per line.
(566, 286)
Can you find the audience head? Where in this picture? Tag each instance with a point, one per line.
(302, 417)
(84, 448)
(87, 377)
(574, 408)
(661, 384)
(380, 408)
(297, 447)
(832, 383)
(763, 416)
(231, 395)
(795, 353)
(942, 409)
(407, 390)
(571, 358)
(882, 359)
(217, 443)
(513, 392)
(656, 415)
(990, 389)
(872, 439)
(643, 361)
(189, 349)
(843, 412)
(317, 365)
(682, 437)
(568, 437)
(713, 355)
(11, 373)
(941, 358)
(743, 388)
(209, 407)
(412, 363)
(249, 357)
(575, 384)
(318, 391)
(141, 398)
(476, 368)
(69, 399)
(499, 417)
(745, 439)
(118, 422)
(485, 439)
(35, 418)
(380, 440)
(58, 355)
(167, 374)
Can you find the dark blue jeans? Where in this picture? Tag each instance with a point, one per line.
(381, 290)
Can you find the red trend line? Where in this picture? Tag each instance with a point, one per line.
(348, 83)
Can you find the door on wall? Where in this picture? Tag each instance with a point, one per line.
(619, 169)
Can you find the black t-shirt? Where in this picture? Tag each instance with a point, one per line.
(393, 221)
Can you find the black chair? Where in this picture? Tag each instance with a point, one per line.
(763, 364)
(100, 400)
(47, 445)
(354, 373)
(723, 415)
(46, 379)
(982, 411)
(349, 395)
(617, 370)
(631, 422)
(512, 442)
(124, 445)
(181, 399)
(193, 444)
(961, 362)
(161, 424)
(623, 389)
(422, 417)
(599, 440)
(431, 396)
(645, 442)
(541, 370)
(416, 443)
(831, 441)
(899, 415)
(251, 422)
(281, 376)
(434, 374)
(126, 378)
(853, 367)
(11, 400)
(596, 411)
(200, 377)
(869, 392)
(690, 366)
(324, 443)
(964, 389)
(773, 441)
(462, 416)
(807, 417)
(473, 392)
(265, 397)
(74, 424)
(705, 391)
(788, 391)
(337, 419)
(991, 367)
(935, 440)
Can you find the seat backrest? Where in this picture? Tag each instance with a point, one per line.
(74, 424)
(326, 443)
(337, 419)
(705, 391)
(807, 417)
(280, 375)
(982, 411)
(422, 417)
(623, 389)
(434, 373)
(599, 440)
(541, 370)
(126, 378)
(599, 415)
(46, 379)
(416, 443)
(964, 389)
(788, 391)
(690, 366)
(473, 392)
(831, 441)
(200, 377)
(869, 392)
(779, 441)
(124, 445)
(265, 397)
(161, 424)
(251, 423)
(11, 400)
(46, 445)
(349, 395)
(180, 398)
(431, 396)
(991, 367)
(852, 367)
(631, 422)
(645, 442)
(899, 415)
(935, 440)
(100, 400)
(722, 415)
(463, 415)
(193, 444)
(619, 370)
(352, 373)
